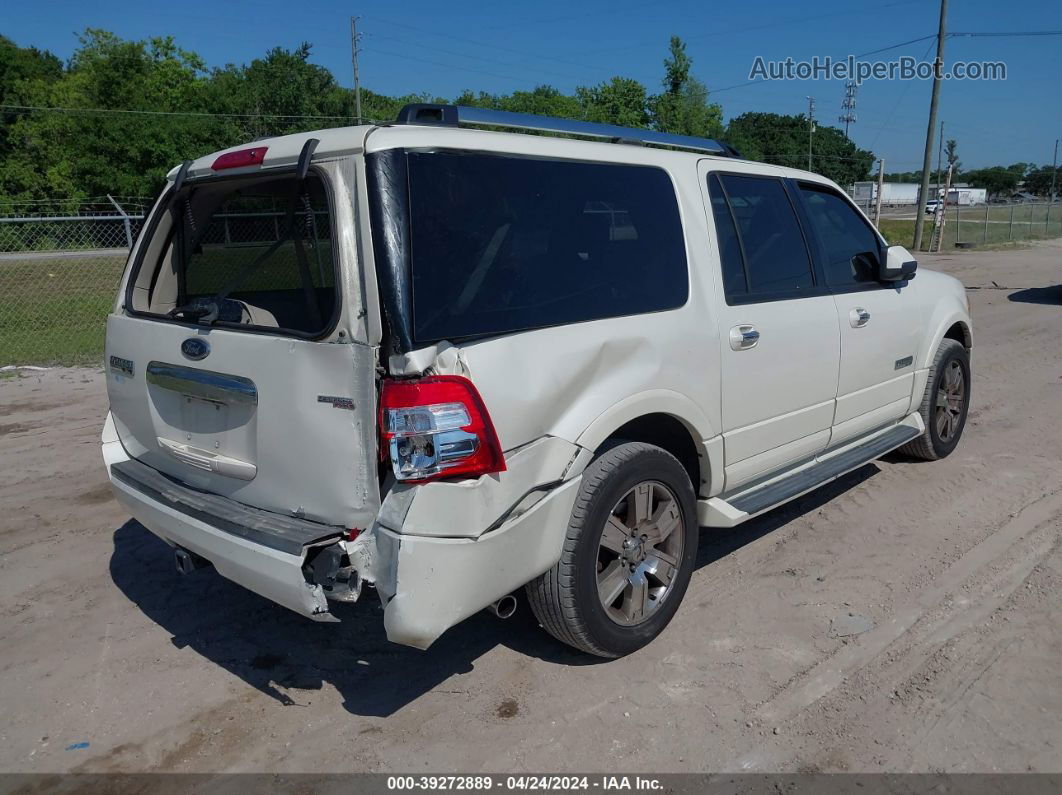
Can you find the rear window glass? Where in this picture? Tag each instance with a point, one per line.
(250, 252)
(503, 244)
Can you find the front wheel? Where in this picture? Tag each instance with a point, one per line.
(628, 554)
(945, 403)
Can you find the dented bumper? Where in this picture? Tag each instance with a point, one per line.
(430, 584)
(233, 544)
(436, 555)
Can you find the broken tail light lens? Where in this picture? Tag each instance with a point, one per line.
(437, 427)
(240, 158)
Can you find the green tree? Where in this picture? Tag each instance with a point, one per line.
(89, 152)
(951, 153)
(783, 140)
(1038, 181)
(543, 100)
(621, 101)
(683, 107)
(997, 180)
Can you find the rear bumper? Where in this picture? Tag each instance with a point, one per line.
(427, 583)
(270, 572)
(438, 582)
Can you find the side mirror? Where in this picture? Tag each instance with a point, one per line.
(899, 265)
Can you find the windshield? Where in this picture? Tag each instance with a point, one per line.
(253, 252)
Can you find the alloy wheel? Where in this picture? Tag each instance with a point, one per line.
(951, 397)
(639, 553)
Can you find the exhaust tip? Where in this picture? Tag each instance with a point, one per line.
(504, 607)
(187, 562)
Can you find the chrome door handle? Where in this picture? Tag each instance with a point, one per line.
(742, 338)
(858, 317)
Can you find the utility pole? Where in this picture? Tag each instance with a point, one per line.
(1054, 170)
(354, 38)
(927, 157)
(940, 157)
(811, 126)
(881, 186)
(848, 106)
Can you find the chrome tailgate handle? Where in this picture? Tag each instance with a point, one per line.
(210, 462)
(204, 384)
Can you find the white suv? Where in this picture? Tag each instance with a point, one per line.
(451, 362)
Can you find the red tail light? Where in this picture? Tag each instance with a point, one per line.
(437, 427)
(244, 157)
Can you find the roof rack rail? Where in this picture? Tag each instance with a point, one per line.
(459, 115)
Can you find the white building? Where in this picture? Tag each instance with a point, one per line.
(906, 193)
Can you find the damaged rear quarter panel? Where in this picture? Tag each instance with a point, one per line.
(570, 376)
(469, 508)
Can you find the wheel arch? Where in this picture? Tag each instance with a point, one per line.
(953, 326)
(668, 420)
(960, 332)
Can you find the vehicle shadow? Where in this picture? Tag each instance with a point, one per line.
(1038, 295)
(280, 653)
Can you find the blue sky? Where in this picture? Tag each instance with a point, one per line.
(442, 48)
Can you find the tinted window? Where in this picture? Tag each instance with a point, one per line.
(503, 243)
(726, 237)
(776, 258)
(842, 234)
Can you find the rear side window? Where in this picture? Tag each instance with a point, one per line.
(772, 246)
(842, 234)
(730, 258)
(248, 252)
(500, 244)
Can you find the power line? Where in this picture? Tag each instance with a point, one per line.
(476, 70)
(478, 43)
(899, 101)
(854, 57)
(761, 26)
(421, 46)
(1010, 33)
(205, 114)
(612, 12)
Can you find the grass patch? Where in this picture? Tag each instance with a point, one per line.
(1002, 226)
(54, 309)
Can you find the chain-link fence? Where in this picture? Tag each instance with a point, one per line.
(58, 274)
(968, 226)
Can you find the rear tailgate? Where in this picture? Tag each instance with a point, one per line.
(270, 401)
(281, 424)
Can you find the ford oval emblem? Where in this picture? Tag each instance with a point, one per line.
(195, 348)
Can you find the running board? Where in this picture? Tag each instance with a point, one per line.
(730, 511)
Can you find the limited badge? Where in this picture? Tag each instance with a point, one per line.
(120, 365)
(337, 402)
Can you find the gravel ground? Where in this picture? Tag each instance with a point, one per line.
(904, 618)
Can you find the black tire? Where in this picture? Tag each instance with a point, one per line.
(565, 599)
(932, 445)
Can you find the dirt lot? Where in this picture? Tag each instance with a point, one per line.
(903, 618)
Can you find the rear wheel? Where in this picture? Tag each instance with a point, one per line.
(628, 554)
(945, 403)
